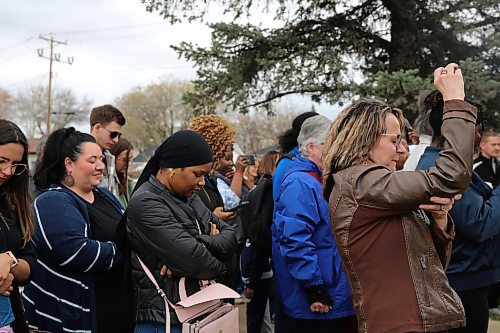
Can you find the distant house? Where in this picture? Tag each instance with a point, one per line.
(146, 154)
(140, 161)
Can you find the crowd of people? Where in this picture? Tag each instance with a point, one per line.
(363, 224)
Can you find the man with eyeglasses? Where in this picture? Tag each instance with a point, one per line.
(106, 124)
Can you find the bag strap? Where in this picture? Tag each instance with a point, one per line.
(182, 286)
(182, 292)
(161, 293)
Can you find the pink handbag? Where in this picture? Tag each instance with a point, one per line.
(202, 312)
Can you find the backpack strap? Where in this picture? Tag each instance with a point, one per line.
(286, 156)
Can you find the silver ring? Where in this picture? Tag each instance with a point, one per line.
(444, 71)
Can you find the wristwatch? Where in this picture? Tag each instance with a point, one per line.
(15, 262)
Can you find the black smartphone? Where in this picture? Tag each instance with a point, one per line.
(250, 159)
(241, 204)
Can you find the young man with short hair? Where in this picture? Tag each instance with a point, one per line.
(106, 124)
(486, 165)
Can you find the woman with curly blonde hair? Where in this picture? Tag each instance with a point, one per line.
(223, 189)
(218, 132)
(395, 254)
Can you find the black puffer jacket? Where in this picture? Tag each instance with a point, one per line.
(210, 195)
(165, 230)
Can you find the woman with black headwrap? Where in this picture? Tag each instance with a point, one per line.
(169, 227)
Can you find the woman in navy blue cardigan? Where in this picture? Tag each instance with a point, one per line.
(76, 285)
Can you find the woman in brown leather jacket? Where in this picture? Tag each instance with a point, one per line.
(395, 253)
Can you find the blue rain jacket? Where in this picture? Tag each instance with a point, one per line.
(303, 248)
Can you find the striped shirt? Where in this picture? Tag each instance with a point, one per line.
(60, 297)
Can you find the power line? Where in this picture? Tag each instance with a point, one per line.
(139, 69)
(17, 44)
(119, 37)
(10, 85)
(123, 27)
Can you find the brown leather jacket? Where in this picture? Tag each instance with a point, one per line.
(395, 256)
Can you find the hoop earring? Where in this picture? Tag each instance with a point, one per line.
(70, 181)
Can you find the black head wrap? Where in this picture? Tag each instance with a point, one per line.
(182, 149)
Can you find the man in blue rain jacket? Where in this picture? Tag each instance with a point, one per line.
(311, 286)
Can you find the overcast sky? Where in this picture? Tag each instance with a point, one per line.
(116, 45)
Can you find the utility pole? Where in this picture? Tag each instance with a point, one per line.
(52, 57)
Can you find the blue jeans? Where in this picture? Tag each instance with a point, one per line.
(156, 328)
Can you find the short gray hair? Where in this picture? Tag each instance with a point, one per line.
(315, 130)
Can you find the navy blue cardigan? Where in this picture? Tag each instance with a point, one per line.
(60, 297)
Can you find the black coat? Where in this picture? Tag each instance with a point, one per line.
(165, 230)
(484, 168)
(210, 195)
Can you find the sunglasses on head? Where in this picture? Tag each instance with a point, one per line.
(113, 134)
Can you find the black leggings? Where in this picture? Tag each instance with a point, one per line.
(476, 311)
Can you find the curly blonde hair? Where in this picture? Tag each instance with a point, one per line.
(354, 133)
(217, 131)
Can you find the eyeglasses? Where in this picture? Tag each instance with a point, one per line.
(113, 134)
(15, 169)
(399, 138)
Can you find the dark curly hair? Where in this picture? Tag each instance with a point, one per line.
(434, 103)
(288, 140)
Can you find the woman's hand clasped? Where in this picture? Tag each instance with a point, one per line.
(166, 271)
(449, 82)
(6, 277)
(439, 208)
(213, 229)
